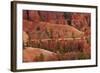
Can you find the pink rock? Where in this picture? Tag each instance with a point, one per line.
(37, 54)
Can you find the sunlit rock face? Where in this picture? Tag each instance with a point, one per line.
(45, 30)
(25, 38)
(37, 54)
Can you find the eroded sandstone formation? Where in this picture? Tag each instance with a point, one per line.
(50, 36)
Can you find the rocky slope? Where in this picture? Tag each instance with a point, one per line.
(50, 36)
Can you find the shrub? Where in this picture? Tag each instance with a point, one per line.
(83, 56)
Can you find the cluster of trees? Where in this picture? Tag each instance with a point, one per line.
(65, 49)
